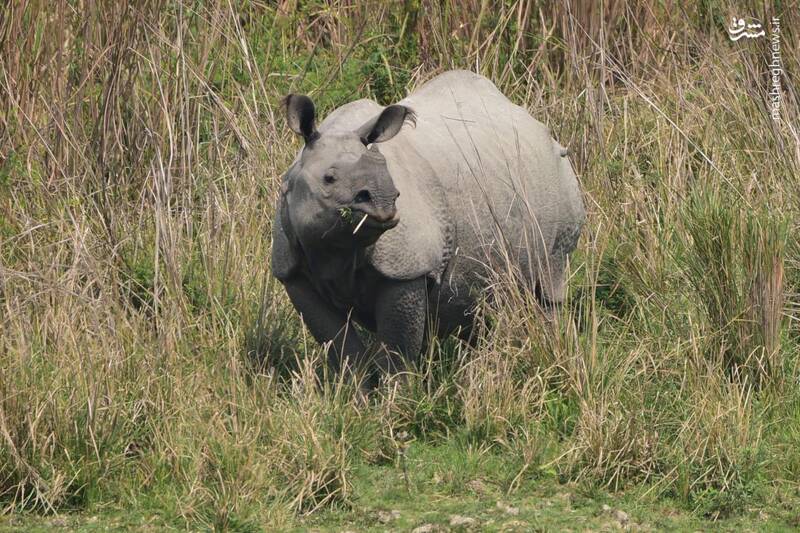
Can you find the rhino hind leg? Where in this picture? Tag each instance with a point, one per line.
(550, 288)
(552, 283)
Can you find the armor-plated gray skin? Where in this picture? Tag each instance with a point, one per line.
(455, 180)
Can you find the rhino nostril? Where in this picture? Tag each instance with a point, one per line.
(362, 196)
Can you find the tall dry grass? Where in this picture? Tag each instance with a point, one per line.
(145, 352)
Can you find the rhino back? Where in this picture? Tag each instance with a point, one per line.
(350, 116)
(504, 180)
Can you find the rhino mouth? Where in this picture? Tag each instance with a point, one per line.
(363, 220)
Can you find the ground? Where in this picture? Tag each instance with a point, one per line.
(452, 489)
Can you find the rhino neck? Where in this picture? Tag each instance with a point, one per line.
(337, 264)
(344, 279)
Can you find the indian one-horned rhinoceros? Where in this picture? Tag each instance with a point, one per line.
(392, 217)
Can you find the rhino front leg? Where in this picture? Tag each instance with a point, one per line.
(327, 324)
(400, 313)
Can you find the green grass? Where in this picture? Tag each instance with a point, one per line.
(456, 481)
(153, 375)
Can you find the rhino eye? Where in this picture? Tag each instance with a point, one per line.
(329, 178)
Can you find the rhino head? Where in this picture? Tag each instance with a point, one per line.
(339, 193)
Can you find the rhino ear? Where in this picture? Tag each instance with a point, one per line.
(285, 253)
(300, 114)
(386, 125)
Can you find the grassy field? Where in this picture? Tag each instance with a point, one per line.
(153, 375)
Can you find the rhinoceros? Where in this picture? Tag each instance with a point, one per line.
(395, 217)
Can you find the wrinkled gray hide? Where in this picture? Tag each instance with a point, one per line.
(482, 186)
